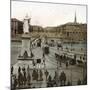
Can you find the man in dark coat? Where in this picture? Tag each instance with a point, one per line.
(66, 64)
(62, 78)
(46, 73)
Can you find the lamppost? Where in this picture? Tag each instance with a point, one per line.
(71, 76)
(57, 72)
(84, 71)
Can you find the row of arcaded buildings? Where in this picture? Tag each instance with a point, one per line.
(71, 32)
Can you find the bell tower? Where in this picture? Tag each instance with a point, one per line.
(75, 18)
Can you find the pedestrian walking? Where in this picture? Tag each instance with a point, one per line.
(20, 79)
(24, 78)
(49, 81)
(62, 78)
(28, 79)
(41, 75)
(66, 64)
(79, 82)
(68, 83)
(46, 74)
(15, 82)
(12, 70)
(60, 63)
(35, 75)
(55, 79)
(19, 70)
(12, 82)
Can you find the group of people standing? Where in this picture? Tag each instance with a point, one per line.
(25, 77)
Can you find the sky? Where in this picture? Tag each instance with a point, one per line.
(47, 14)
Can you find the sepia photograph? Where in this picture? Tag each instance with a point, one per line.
(48, 44)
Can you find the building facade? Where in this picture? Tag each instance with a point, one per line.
(72, 32)
(36, 28)
(16, 27)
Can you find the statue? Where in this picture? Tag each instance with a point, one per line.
(26, 24)
(26, 42)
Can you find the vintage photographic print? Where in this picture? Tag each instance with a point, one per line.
(48, 45)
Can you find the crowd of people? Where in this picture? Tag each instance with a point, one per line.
(25, 78)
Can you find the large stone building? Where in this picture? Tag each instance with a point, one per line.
(73, 32)
(70, 32)
(16, 27)
(36, 28)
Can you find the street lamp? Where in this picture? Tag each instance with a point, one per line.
(84, 71)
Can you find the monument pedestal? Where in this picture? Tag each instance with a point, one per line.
(26, 53)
